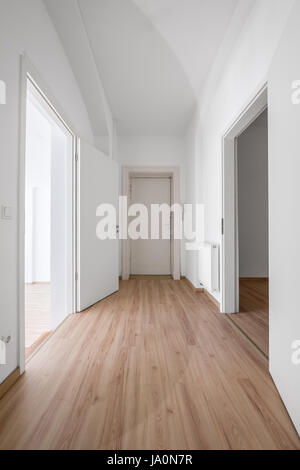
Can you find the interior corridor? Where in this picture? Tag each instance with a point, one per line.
(154, 366)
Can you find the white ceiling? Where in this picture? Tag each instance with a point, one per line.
(147, 88)
(194, 29)
(153, 57)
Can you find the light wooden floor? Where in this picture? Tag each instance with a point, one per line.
(253, 318)
(37, 315)
(154, 366)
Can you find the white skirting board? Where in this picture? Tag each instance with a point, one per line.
(209, 266)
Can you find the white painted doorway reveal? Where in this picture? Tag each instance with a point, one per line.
(151, 257)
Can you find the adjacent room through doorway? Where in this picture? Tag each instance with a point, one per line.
(253, 232)
(48, 221)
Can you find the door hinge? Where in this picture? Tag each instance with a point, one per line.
(76, 276)
(222, 226)
(76, 157)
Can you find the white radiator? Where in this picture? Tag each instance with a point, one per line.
(209, 266)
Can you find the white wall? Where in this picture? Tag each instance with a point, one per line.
(37, 199)
(261, 54)
(151, 151)
(169, 151)
(103, 144)
(253, 210)
(26, 27)
(284, 171)
(246, 71)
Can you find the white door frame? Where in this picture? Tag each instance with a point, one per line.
(28, 71)
(230, 246)
(166, 172)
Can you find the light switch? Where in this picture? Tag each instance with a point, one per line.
(6, 213)
(2, 92)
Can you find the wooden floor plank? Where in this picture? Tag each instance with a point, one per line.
(154, 366)
(253, 318)
(37, 314)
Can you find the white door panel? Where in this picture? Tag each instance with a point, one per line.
(98, 260)
(150, 257)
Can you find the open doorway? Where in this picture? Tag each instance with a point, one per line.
(244, 273)
(48, 220)
(253, 232)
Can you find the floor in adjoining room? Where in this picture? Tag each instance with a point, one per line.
(154, 366)
(37, 315)
(253, 318)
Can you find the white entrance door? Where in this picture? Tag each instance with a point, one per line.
(98, 260)
(150, 257)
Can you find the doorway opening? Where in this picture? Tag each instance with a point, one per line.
(253, 232)
(245, 238)
(48, 220)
